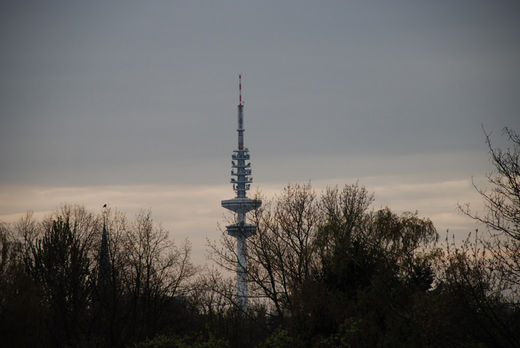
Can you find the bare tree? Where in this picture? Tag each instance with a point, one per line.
(213, 293)
(292, 238)
(501, 214)
(346, 217)
(487, 269)
(58, 262)
(502, 198)
(86, 224)
(156, 270)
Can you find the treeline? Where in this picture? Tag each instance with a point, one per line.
(326, 269)
(59, 288)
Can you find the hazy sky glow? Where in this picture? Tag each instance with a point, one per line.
(134, 103)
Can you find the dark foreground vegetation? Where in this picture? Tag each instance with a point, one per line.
(325, 270)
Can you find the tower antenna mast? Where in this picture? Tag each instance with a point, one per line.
(241, 180)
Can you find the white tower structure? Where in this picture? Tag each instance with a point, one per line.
(241, 180)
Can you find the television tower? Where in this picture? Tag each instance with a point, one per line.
(241, 180)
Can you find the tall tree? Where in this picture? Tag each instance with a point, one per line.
(156, 271)
(60, 265)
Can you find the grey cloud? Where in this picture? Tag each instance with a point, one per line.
(97, 92)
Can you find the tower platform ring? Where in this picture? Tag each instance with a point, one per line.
(242, 205)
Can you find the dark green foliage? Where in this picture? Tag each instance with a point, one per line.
(362, 297)
(196, 341)
(281, 338)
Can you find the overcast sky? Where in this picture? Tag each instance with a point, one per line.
(134, 102)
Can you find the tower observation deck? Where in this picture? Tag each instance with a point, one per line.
(241, 180)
